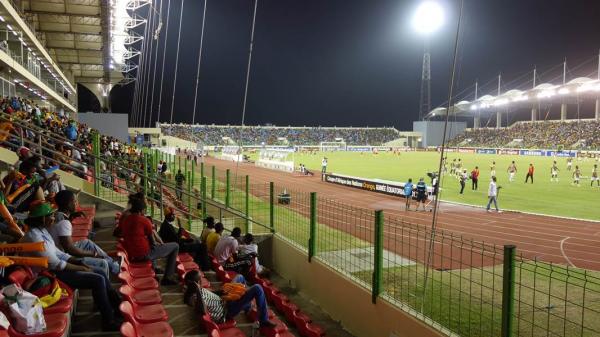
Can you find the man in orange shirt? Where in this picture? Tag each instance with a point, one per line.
(529, 174)
(474, 178)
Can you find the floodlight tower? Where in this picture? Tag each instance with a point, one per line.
(428, 18)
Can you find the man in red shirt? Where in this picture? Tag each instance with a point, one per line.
(529, 174)
(474, 178)
(140, 241)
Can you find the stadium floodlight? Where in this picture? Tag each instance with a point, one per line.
(520, 98)
(546, 94)
(474, 107)
(428, 17)
(500, 101)
(563, 91)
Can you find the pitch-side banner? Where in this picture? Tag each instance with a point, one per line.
(391, 188)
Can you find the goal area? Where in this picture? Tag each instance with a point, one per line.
(332, 146)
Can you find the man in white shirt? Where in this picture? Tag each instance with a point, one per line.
(324, 165)
(493, 195)
(226, 253)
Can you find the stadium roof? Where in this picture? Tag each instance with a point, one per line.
(527, 94)
(85, 37)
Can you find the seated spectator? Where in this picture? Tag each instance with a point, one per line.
(8, 225)
(210, 227)
(249, 248)
(70, 270)
(222, 307)
(140, 242)
(213, 238)
(168, 233)
(25, 187)
(227, 255)
(62, 231)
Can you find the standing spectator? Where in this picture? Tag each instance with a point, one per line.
(475, 178)
(324, 165)
(179, 179)
(408, 192)
(493, 195)
(421, 193)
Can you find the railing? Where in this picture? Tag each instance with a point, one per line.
(455, 284)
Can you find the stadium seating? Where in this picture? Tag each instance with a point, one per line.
(584, 134)
(270, 135)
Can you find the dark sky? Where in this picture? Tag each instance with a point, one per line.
(356, 62)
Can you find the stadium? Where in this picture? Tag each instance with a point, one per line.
(249, 168)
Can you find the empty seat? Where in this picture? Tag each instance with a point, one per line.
(139, 283)
(185, 257)
(300, 319)
(143, 314)
(140, 297)
(289, 309)
(311, 330)
(159, 329)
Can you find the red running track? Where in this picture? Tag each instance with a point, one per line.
(549, 239)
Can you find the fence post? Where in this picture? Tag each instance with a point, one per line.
(96, 148)
(272, 206)
(213, 183)
(179, 162)
(227, 188)
(247, 205)
(201, 170)
(378, 257)
(312, 239)
(193, 173)
(508, 290)
(189, 181)
(146, 182)
(203, 191)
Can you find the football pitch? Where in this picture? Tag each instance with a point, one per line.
(543, 196)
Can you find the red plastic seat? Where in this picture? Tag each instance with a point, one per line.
(158, 329)
(289, 309)
(139, 271)
(139, 283)
(61, 307)
(279, 301)
(80, 233)
(140, 297)
(301, 319)
(226, 329)
(272, 332)
(184, 257)
(20, 276)
(56, 326)
(311, 330)
(143, 314)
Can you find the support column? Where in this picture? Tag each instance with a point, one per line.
(476, 122)
(563, 111)
(534, 113)
(498, 120)
(597, 109)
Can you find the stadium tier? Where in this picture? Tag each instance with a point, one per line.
(279, 135)
(572, 134)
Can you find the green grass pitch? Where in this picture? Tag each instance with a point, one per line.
(544, 197)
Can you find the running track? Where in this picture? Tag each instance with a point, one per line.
(549, 239)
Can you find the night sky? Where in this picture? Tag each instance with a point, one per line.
(357, 62)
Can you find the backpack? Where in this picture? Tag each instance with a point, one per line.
(46, 288)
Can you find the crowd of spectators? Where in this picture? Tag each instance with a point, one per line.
(271, 135)
(584, 134)
(36, 207)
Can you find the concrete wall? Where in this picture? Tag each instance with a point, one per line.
(433, 131)
(115, 125)
(341, 298)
